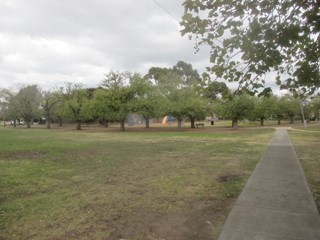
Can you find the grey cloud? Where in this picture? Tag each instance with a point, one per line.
(48, 41)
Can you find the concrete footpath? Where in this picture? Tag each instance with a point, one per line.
(276, 203)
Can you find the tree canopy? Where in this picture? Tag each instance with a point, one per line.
(5, 99)
(249, 39)
(27, 103)
(239, 107)
(118, 96)
(74, 100)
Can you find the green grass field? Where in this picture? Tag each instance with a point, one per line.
(122, 185)
(307, 146)
(141, 184)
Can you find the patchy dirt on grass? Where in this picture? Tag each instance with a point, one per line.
(199, 221)
(19, 155)
(127, 186)
(229, 177)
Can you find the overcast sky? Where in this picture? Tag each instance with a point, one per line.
(50, 42)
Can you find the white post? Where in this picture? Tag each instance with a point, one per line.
(302, 113)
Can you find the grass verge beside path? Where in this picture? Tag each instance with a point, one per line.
(115, 185)
(307, 146)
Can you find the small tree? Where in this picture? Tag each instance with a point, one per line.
(27, 103)
(175, 106)
(290, 107)
(264, 108)
(147, 100)
(119, 95)
(5, 98)
(99, 106)
(74, 98)
(315, 107)
(239, 107)
(278, 110)
(49, 100)
(195, 107)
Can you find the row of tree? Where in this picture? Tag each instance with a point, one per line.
(178, 91)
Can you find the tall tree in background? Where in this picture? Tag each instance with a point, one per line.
(178, 87)
(188, 75)
(171, 87)
(156, 73)
(249, 39)
(215, 90)
(165, 79)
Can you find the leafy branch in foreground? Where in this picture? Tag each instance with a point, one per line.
(249, 39)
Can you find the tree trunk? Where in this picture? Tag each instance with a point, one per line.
(60, 122)
(147, 122)
(279, 119)
(15, 122)
(291, 120)
(48, 122)
(235, 124)
(28, 122)
(105, 123)
(122, 125)
(261, 122)
(78, 124)
(192, 123)
(179, 123)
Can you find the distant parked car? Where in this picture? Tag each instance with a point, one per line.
(17, 122)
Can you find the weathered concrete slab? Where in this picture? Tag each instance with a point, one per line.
(276, 203)
(286, 195)
(273, 222)
(240, 235)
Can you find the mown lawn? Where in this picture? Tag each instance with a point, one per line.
(307, 146)
(122, 185)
